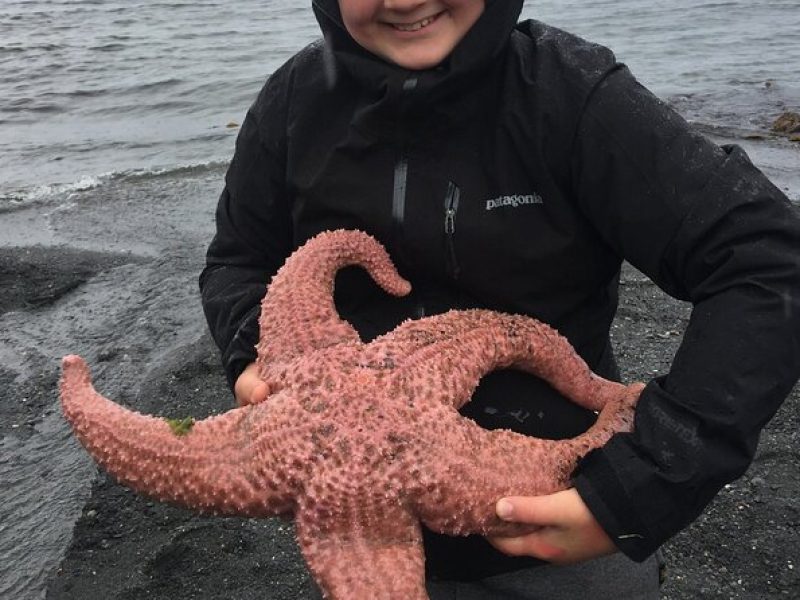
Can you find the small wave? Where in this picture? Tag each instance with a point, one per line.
(86, 182)
(18, 48)
(746, 109)
(43, 193)
(114, 47)
(154, 85)
(156, 173)
(147, 109)
(32, 105)
(63, 192)
(731, 131)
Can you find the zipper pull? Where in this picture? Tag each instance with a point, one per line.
(450, 209)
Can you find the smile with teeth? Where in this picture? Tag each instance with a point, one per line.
(415, 26)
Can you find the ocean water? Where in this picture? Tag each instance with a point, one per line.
(95, 90)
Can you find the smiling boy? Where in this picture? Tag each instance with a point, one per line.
(411, 120)
(413, 35)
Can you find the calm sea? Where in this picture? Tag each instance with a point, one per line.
(92, 90)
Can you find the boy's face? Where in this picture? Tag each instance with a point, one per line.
(414, 34)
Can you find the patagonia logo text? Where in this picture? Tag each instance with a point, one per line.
(513, 201)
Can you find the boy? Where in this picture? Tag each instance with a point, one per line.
(513, 167)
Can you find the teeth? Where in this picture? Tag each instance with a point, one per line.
(414, 26)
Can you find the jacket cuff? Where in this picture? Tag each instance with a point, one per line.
(242, 349)
(640, 498)
(600, 489)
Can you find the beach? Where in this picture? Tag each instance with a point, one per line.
(112, 275)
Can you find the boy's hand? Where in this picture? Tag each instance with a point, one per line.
(569, 532)
(249, 389)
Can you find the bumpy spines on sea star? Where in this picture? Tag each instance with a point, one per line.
(218, 466)
(499, 463)
(305, 283)
(360, 442)
(477, 342)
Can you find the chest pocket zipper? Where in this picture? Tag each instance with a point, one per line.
(450, 211)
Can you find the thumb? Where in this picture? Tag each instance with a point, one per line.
(249, 387)
(259, 392)
(532, 510)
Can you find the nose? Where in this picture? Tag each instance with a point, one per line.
(403, 5)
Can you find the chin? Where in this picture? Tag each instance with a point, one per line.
(418, 61)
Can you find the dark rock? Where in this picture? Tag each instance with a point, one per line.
(788, 122)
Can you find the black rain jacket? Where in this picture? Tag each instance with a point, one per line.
(517, 176)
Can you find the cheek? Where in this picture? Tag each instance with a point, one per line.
(469, 10)
(358, 15)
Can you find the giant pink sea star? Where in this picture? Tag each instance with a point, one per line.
(359, 442)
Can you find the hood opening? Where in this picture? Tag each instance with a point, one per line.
(483, 42)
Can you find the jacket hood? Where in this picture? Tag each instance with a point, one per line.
(396, 88)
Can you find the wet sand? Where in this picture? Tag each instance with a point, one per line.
(112, 276)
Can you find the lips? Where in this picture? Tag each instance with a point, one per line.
(416, 25)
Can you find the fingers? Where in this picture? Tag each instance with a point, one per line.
(567, 531)
(547, 512)
(534, 544)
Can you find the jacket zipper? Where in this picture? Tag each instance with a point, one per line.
(401, 175)
(399, 192)
(399, 215)
(450, 210)
(399, 198)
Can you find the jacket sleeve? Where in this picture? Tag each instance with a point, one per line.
(709, 228)
(253, 230)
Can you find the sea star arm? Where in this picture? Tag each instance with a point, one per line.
(298, 314)
(452, 351)
(462, 487)
(359, 558)
(235, 463)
